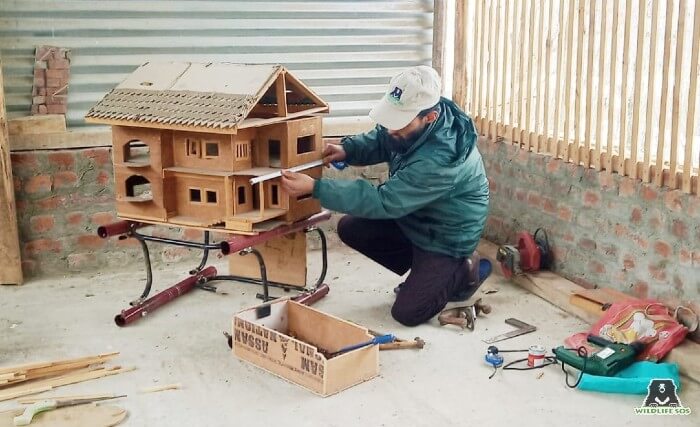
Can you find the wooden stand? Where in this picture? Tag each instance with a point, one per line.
(11, 271)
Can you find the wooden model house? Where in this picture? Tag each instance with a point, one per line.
(188, 139)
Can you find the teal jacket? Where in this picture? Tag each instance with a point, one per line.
(437, 190)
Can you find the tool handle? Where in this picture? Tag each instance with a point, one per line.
(381, 339)
(340, 165)
(26, 418)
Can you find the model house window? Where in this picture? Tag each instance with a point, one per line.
(138, 186)
(195, 195)
(243, 150)
(241, 195)
(137, 151)
(211, 197)
(193, 147)
(211, 149)
(274, 153)
(274, 195)
(305, 144)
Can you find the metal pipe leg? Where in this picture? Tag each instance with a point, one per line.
(149, 274)
(205, 255)
(324, 255)
(263, 271)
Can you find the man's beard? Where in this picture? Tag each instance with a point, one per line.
(400, 144)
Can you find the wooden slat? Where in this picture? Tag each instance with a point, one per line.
(522, 72)
(506, 58)
(559, 79)
(567, 94)
(586, 159)
(459, 78)
(636, 107)
(611, 97)
(692, 101)
(527, 126)
(515, 82)
(601, 80)
(45, 123)
(547, 80)
(658, 176)
(538, 140)
(578, 98)
(11, 271)
(439, 17)
(651, 85)
(624, 83)
(675, 114)
(488, 66)
(495, 56)
(483, 61)
(476, 59)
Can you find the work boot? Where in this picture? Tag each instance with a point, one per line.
(478, 271)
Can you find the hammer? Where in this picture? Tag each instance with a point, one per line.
(399, 344)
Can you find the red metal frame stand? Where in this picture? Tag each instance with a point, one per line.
(201, 276)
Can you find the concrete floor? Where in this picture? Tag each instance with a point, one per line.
(444, 384)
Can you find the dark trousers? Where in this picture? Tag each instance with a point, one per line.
(433, 278)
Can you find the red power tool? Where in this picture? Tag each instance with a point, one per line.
(532, 254)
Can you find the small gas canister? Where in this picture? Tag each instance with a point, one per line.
(535, 356)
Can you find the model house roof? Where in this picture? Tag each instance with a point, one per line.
(208, 97)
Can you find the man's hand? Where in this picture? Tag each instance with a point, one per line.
(333, 153)
(297, 184)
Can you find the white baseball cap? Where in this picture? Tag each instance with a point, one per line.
(410, 92)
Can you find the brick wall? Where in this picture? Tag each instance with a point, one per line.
(607, 230)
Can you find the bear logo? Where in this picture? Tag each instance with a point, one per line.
(662, 393)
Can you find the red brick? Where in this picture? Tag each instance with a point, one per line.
(640, 290)
(493, 187)
(81, 261)
(587, 244)
(640, 241)
(41, 246)
(21, 206)
(42, 223)
(648, 193)
(39, 99)
(550, 206)
(101, 156)
(127, 243)
(621, 230)
(685, 257)
(569, 237)
(520, 195)
(553, 165)
(39, 73)
(696, 258)
(75, 218)
(103, 178)
(534, 199)
(679, 229)
(672, 200)
(62, 160)
(59, 64)
(91, 241)
(102, 218)
(663, 249)
(591, 199)
(24, 160)
(40, 82)
(565, 213)
(56, 109)
(54, 83)
(560, 253)
(523, 157)
(606, 180)
(65, 179)
(596, 267)
(657, 272)
(38, 184)
(629, 262)
(17, 184)
(43, 109)
(636, 216)
(57, 74)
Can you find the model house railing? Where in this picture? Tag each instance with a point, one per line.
(611, 85)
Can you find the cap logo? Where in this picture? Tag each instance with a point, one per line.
(395, 95)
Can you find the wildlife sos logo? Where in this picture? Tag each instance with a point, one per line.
(395, 95)
(662, 399)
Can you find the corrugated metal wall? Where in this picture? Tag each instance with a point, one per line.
(345, 50)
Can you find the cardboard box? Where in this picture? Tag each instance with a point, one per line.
(287, 342)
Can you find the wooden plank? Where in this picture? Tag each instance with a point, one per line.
(459, 74)
(476, 35)
(504, 73)
(495, 57)
(586, 159)
(636, 107)
(30, 400)
(624, 83)
(439, 19)
(658, 176)
(45, 123)
(578, 98)
(566, 154)
(601, 80)
(526, 126)
(611, 97)
(539, 137)
(38, 365)
(483, 63)
(651, 85)
(559, 80)
(692, 101)
(514, 101)
(490, 30)
(11, 271)
(677, 80)
(547, 79)
(281, 95)
(83, 138)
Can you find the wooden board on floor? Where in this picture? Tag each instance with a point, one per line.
(558, 291)
(45, 123)
(11, 271)
(285, 260)
(74, 416)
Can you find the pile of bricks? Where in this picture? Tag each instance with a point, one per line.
(51, 74)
